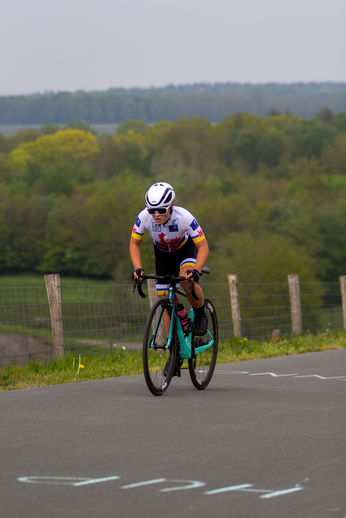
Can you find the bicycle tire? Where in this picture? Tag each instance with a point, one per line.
(202, 367)
(155, 359)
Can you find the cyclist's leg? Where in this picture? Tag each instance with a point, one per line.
(198, 290)
(166, 263)
(163, 266)
(188, 263)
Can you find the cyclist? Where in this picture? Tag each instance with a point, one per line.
(179, 244)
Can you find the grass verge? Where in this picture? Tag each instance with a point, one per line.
(74, 368)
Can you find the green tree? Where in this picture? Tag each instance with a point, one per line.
(320, 230)
(3, 146)
(64, 146)
(251, 140)
(194, 140)
(330, 224)
(22, 220)
(133, 151)
(135, 125)
(324, 115)
(334, 156)
(271, 147)
(264, 259)
(312, 138)
(80, 125)
(339, 122)
(50, 129)
(89, 232)
(21, 137)
(109, 161)
(61, 178)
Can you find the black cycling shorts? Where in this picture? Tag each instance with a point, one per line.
(170, 263)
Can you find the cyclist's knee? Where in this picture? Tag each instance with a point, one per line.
(185, 286)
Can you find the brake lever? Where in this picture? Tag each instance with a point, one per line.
(140, 291)
(138, 285)
(192, 289)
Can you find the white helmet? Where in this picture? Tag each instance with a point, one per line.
(160, 195)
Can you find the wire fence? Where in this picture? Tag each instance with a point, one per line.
(266, 308)
(97, 319)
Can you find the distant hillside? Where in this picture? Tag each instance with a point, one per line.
(210, 101)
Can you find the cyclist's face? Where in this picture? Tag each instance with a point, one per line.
(161, 219)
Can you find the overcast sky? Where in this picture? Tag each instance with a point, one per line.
(69, 45)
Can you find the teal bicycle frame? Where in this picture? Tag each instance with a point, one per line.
(166, 343)
(185, 349)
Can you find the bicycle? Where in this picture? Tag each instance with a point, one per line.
(166, 344)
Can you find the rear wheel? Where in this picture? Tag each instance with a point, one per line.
(202, 367)
(158, 360)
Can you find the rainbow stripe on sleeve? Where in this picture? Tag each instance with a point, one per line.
(198, 237)
(136, 234)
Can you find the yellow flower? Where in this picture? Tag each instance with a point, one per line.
(81, 366)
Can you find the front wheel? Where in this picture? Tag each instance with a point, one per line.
(202, 367)
(158, 360)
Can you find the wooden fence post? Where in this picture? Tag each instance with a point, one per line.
(296, 311)
(153, 296)
(54, 299)
(233, 288)
(343, 297)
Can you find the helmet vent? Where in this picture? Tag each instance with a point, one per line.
(160, 195)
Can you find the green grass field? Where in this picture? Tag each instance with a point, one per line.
(29, 280)
(74, 368)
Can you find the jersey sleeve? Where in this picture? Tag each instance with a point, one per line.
(195, 230)
(139, 227)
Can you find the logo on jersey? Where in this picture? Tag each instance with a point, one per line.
(173, 228)
(138, 222)
(156, 227)
(194, 224)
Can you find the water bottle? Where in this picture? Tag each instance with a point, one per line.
(183, 317)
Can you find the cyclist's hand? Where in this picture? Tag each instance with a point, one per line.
(192, 274)
(137, 274)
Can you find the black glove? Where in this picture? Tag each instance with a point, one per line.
(138, 272)
(195, 274)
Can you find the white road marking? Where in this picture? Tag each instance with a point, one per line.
(145, 483)
(188, 484)
(274, 375)
(65, 481)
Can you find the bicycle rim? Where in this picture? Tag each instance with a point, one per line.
(158, 361)
(202, 367)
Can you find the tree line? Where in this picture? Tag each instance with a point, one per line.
(210, 101)
(269, 193)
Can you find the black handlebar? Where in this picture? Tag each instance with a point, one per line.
(139, 288)
(168, 279)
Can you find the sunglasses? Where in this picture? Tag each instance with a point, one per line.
(161, 211)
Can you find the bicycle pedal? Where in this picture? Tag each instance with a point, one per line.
(177, 372)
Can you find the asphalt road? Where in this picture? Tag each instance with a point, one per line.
(265, 439)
